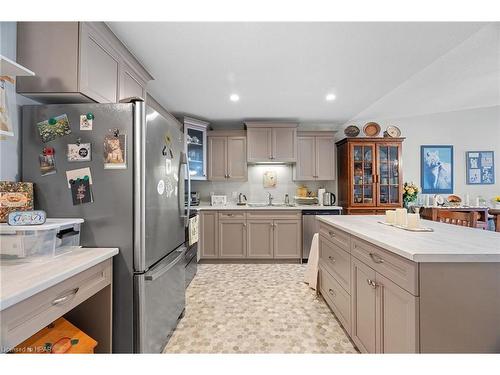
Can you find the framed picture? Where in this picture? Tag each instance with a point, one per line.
(480, 167)
(270, 179)
(436, 169)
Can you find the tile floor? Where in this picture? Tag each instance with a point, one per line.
(256, 308)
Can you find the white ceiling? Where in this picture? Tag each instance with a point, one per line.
(284, 70)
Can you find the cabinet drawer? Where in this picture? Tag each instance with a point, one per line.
(397, 269)
(337, 236)
(27, 317)
(231, 214)
(268, 214)
(336, 261)
(336, 297)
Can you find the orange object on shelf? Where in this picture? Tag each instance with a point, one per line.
(60, 337)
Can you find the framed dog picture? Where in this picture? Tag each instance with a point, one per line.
(436, 169)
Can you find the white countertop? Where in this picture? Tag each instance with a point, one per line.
(448, 243)
(233, 206)
(20, 281)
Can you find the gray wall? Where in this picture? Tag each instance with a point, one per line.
(10, 147)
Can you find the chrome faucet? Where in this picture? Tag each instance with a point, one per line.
(287, 200)
(270, 197)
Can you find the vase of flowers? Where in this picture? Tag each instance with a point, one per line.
(410, 193)
(496, 200)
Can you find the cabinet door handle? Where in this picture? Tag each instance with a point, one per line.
(228, 176)
(376, 258)
(66, 297)
(372, 283)
(332, 234)
(331, 292)
(332, 259)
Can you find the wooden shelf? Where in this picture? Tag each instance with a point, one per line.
(12, 69)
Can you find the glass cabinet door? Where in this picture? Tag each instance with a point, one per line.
(363, 184)
(196, 152)
(388, 175)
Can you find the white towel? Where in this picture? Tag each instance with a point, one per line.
(311, 274)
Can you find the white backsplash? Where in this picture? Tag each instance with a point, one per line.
(254, 188)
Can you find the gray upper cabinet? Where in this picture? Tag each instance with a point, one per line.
(271, 142)
(227, 155)
(99, 67)
(315, 156)
(77, 62)
(130, 84)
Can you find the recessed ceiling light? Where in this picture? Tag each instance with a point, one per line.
(234, 97)
(330, 97)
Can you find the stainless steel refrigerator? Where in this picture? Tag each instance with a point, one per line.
(139, 209)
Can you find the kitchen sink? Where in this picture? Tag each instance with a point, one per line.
(257, 204)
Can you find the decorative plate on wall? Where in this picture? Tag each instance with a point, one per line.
(351, 131)
(371, 129)
(392, 132)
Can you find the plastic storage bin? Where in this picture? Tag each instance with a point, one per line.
(37, 242)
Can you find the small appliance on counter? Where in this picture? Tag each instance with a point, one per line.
(195, 198)
(242, 199)
(329, 199)
(218, 200)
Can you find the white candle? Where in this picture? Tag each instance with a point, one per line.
(413, 220)
(467, 200)
(427, 200)
(390, 216)
(477, 202)
(401, 215)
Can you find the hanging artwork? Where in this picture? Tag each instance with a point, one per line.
(270, 179)
(480, 167)
(6, 128)
(436, 169)
(53, 128)
(115, 155)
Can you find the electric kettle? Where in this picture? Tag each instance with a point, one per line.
(329, 199)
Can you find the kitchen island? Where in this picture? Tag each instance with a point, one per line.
(396, 291)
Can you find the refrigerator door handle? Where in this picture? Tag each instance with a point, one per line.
(185, 162)
(161, 271)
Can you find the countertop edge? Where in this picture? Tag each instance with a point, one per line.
(420, 258)
(268, 208)
(48, 283)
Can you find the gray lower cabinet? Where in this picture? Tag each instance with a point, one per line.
(77, 62)
(261, 234)
(287, 239)
(397, 324)
(260, 238)
(364, 307)
(209, 229)
(232, 238)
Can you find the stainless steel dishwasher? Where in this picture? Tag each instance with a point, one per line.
(310, 226)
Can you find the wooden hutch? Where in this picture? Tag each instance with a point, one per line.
(370, 174)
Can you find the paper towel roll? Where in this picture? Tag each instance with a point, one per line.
(320, 196)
